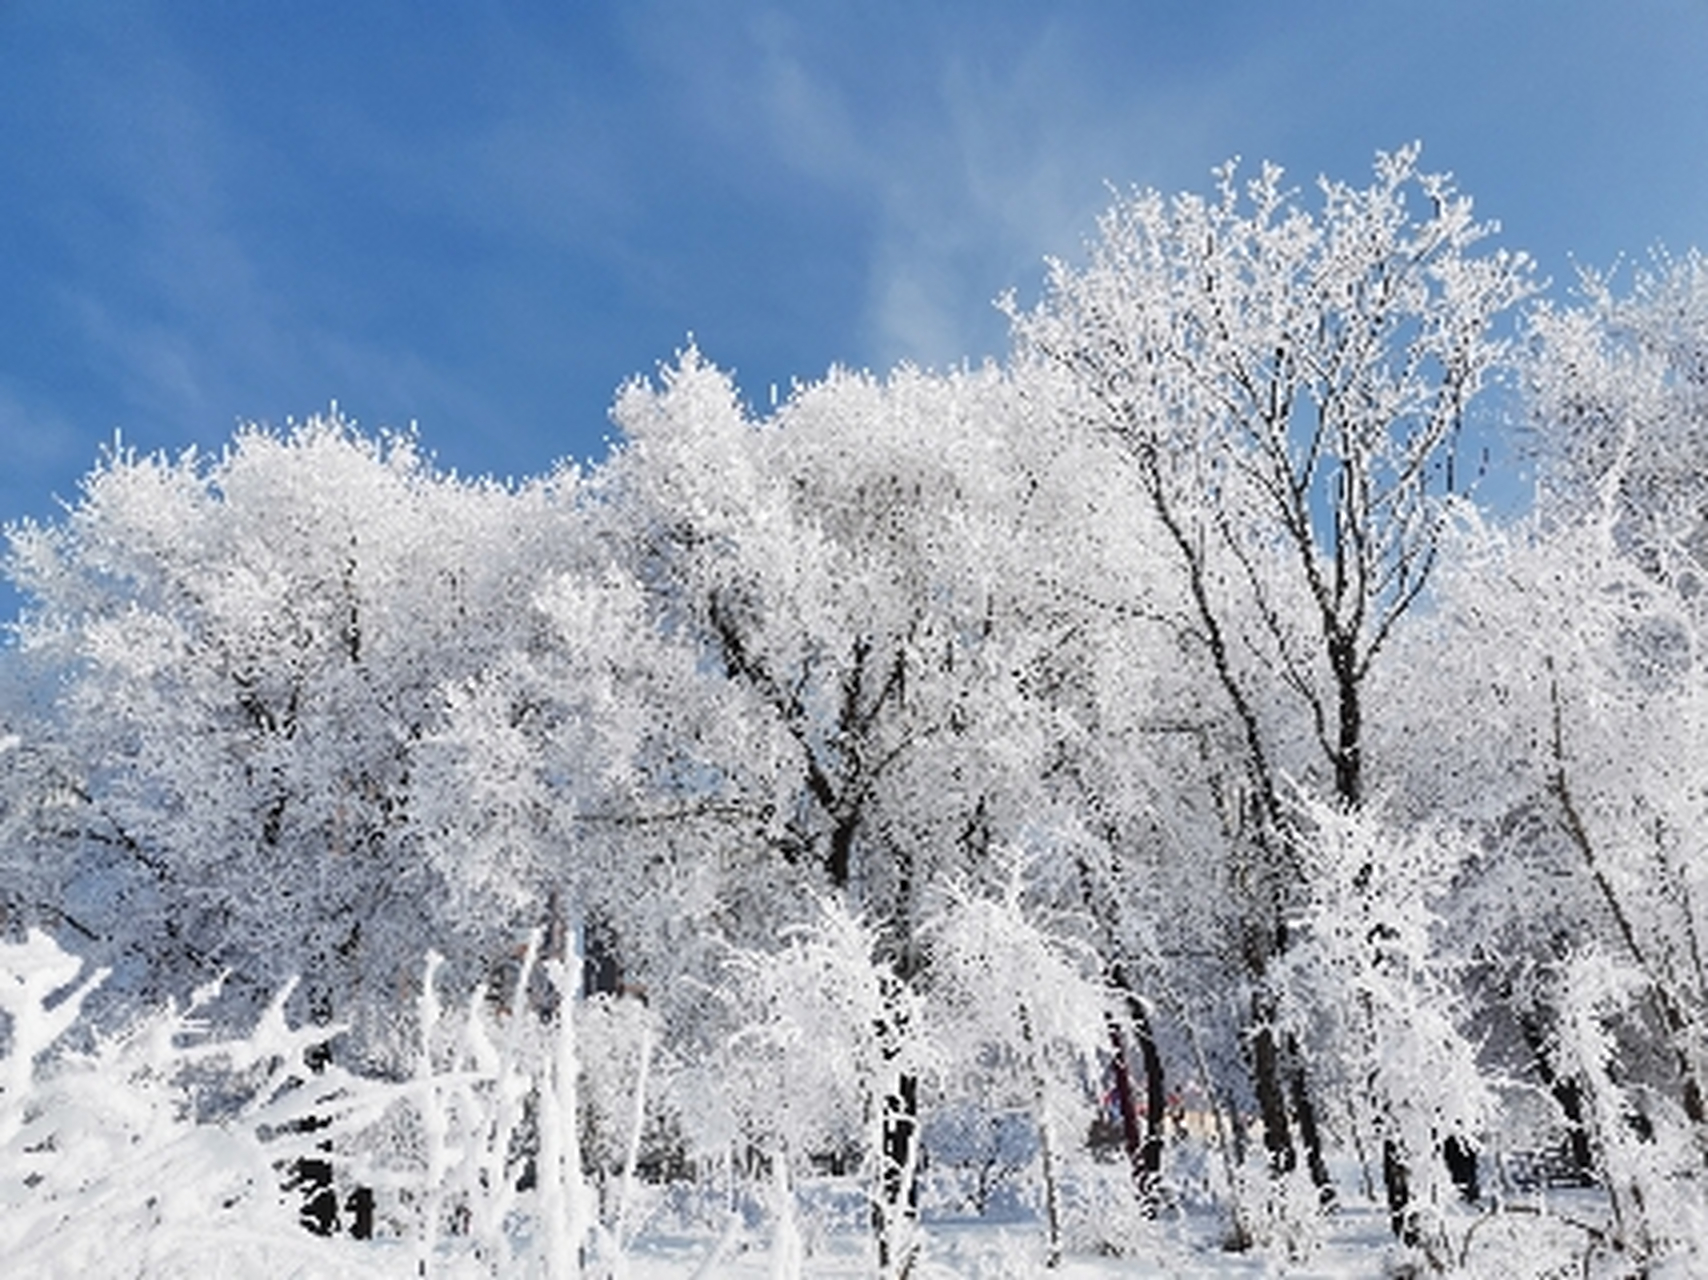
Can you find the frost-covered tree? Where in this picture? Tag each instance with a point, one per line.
(1290, 389)
(1618, 394)
(1563, 735)
(248, 653)
(824, 1038)
(1293, 390)
(840, 564)
(570, 780)
(1377, 990)
(840, 567)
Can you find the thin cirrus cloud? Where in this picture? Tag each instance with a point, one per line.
(1004, 180)
(156, 308)
(976, 154)
(485, 218)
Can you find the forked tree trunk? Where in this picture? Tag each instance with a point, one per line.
(1284, 1100)
(1142, 1129)
(1568, 1096)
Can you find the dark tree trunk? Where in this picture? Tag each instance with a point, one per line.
(1131, 1139)
(895, 1207)
(839, 864)
(1271, 1101)
(1568, 1094)
(1396, 1178)
(1156, 1101)
(1305, 1113)
(895, 1212)
(1266, 1058)
(1461, 1158)
(1348, 751)
(1142, 1129)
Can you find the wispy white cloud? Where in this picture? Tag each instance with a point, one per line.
(158, 277)
(992, 157)
(187, 280)
(488, 221)
(37, 437)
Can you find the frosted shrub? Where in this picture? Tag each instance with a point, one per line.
(31, 974)
(1020, 1002)
(622, 1085)
(1102, 1217)
(1281, 1213)
(101, 1154)
(173, 1150)
(827, 1032)
(452, 1143)
(981, 1149)
(1650, 1154)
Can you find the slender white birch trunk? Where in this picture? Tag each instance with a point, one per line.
(564, 1192)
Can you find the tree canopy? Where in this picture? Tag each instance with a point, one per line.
(1158, 708)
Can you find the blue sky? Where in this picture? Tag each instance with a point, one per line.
(483, 217)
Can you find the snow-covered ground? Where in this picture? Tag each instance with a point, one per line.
(1352, 1243)
(105, 1172)
(1527, 1237)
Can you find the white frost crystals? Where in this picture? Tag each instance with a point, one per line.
(1133, 790)
(164, 1153)
(102, 1158)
